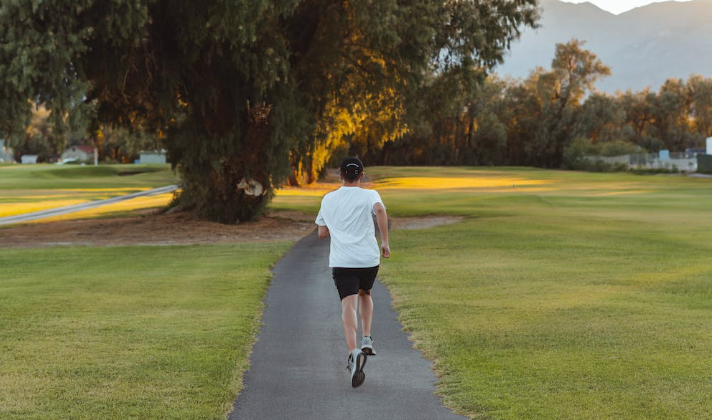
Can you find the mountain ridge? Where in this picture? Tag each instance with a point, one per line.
(644, 46)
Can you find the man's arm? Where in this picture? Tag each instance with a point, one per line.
(323, 232)
(382, 222)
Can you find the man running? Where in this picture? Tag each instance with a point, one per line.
(347, 216)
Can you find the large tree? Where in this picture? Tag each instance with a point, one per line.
(574, 72)
(244, 90)
(601, 119)
(672, 108)
(701, 94)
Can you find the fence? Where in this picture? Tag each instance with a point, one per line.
(684, 162)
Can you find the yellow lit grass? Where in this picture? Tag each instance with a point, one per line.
(484, 183)
(122, 207)
(14, 209)
(26, 202)
(14, 203)
(303, 192)
(67, 192)
(471, 183)
(305, 199)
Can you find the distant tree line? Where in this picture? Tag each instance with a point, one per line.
(46, 139)
(552, 119)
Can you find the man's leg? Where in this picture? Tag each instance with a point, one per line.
(348, 286)
(367, 278)
(357, 359)
(349, 305)
(366, 311)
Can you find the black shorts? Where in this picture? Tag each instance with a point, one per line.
(349, 281)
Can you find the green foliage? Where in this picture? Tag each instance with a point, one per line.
(576, 152)
(601, 119)
(39, 138)
(122, 145)
(38, 42)
(700, 94)
(618, 148)
(655, 171)
(671, 110)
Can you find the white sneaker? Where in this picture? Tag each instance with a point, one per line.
(367, 346)
(356, 362)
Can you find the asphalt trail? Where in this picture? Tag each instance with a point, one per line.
(298, 366)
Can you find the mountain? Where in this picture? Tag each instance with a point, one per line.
(644, 46)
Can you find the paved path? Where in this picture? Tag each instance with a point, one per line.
(298, 366)
(43, 214)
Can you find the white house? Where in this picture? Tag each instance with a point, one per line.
(709, 145)
(28, 159)
(79, 153)
(153, 156)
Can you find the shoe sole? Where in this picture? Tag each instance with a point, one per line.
(369, 351)
(358, 376)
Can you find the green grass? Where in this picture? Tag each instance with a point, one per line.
(49, 177)
(562, 295)
(128, 332)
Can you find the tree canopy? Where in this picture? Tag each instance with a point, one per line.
(246, 93)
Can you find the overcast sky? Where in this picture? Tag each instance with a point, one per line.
(618, 6)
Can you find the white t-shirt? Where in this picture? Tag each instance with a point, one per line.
(348, 213)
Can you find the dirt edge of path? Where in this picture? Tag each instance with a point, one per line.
(178, 229)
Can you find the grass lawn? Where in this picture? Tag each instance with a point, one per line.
(561, 295)
(128, 332)
(28, 188)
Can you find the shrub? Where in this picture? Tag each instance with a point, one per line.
(618, 148)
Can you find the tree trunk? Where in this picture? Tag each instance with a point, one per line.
(239, 186)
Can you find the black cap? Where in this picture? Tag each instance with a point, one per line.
(351, 168)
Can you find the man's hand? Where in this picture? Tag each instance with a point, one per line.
(382, 222)
(385, 250)
(323, 232)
